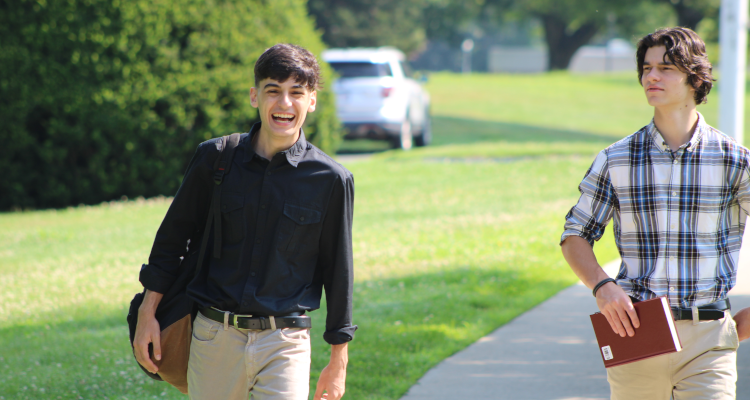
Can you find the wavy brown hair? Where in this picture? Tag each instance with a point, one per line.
(284, 61)
(686, 50)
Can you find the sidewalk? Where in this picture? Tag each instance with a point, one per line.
(550, 353)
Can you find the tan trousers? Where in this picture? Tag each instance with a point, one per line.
(229, 364)
(706, 368)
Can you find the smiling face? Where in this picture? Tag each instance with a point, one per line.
(282, 107)
(666, 86)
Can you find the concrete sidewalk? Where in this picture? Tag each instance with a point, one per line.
(550, 353)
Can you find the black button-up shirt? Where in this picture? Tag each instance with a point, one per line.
(286, 234)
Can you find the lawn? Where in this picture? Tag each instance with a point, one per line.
(451, 242)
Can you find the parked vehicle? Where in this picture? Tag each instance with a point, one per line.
(378, 98)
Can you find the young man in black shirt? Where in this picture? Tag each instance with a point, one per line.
(286, 233)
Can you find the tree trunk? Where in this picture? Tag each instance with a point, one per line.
(686, 16)
(561, 45)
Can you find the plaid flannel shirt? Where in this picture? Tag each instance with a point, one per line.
(678, 217)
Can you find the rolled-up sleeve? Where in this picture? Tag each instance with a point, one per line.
(590, 216)
(336, 262)
(183, 222)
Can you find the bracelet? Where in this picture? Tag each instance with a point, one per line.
(602, 283)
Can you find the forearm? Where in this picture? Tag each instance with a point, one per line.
(580, 256)
(339, 356)
(150, 301)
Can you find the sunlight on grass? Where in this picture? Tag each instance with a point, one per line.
(450, 242)
(605, 104)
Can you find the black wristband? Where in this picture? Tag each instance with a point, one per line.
(602, 283)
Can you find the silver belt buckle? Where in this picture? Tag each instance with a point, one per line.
(235, 316)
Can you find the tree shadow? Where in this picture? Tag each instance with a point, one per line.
(454, 130)
(407, 325)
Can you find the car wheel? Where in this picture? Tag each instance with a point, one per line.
(404, 139)
(425, 137)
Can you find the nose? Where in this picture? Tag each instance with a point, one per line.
(652, 75)
(285, 100)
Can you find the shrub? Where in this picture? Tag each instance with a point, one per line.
(105, 98)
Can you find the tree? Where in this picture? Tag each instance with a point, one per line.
(402, 24)
(568, 24)
(105, 98)
(369, 23)
(691, 12)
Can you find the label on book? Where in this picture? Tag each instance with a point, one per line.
(607, 352)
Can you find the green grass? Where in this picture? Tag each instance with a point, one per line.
(600, 104)
(451, 241)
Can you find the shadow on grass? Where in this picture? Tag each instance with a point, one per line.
(452, 130)
(407, 325)
(363, 146)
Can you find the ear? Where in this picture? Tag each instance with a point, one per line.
(313, 101)
(254, 97)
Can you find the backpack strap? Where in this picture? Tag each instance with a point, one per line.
(222, 165)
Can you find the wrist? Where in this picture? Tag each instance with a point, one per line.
(602, 283)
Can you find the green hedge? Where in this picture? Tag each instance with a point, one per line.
(105, 98)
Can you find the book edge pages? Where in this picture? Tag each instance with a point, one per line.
(670, 322)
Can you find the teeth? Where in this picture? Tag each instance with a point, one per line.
(278, 115)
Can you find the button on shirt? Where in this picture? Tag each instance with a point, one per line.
(678, 216)
(286, 234)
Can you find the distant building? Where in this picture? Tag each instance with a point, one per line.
(616, 55)
(517, 47)
(516, 59)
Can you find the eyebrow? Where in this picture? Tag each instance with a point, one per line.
(298, 86)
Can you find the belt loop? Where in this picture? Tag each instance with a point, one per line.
(226, 320)
(696, 316)
(273, 322)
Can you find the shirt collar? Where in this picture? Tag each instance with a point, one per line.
(293, 154)
(691, 145)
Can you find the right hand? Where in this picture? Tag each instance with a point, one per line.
(147, 331)
(617, 307)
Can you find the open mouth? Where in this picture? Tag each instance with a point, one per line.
(283, 117)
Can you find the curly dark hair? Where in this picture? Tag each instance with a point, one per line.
(686, 50)
(283, 61)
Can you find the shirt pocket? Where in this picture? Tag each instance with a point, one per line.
(232, 218)
(297, 224)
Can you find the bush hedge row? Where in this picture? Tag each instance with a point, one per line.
(107, 98)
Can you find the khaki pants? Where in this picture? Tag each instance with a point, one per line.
(229, 364)
(706, 368)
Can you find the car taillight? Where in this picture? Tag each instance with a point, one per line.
(387, 91)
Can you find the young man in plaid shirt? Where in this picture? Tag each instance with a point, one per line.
(679, 192)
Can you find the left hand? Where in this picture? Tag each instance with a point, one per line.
(742, 318)
(332, 381)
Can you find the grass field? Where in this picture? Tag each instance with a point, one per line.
(451, 241)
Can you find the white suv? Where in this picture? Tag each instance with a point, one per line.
(377, 98)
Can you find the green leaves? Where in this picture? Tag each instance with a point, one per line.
(105, 98)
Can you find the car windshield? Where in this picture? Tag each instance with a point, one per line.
(361, 69)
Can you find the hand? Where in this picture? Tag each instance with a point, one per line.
(742, 318)
(332, 381)
(147, 331)
(617, 307)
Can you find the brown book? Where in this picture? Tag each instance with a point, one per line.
(656, 336)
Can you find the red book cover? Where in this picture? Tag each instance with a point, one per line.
(656, 336)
